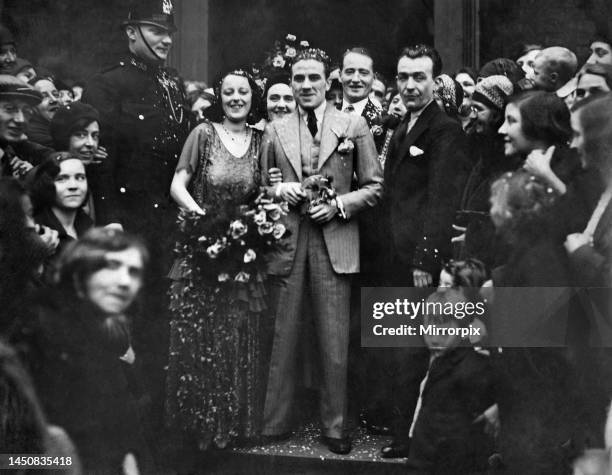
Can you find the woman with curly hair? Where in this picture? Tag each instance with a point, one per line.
(539, 395)
(214, 369)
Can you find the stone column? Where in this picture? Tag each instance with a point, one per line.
(190, 49)
(457, 33)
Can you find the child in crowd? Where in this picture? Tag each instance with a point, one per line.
(467, 276)
(458, 387)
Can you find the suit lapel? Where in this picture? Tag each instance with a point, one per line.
(334, 123)
(289, 135)
(416, 131)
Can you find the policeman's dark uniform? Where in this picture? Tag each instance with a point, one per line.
(143, 125)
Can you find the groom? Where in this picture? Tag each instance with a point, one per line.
(323, 250)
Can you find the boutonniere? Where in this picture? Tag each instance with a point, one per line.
(345, 144)
(376, 130)
(415, 151)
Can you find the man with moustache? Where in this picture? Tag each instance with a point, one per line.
(143, 125)
(323, 248)
(424, 178)
(18, 155)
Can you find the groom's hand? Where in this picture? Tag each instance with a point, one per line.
(323, 212)
(290, 192)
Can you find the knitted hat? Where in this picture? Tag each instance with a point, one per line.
(493, 91)
(69, 119)
(13, 88)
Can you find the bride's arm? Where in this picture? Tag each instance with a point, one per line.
(179, 193)
(185, 169)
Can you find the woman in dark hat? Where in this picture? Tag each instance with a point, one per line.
(75, 128)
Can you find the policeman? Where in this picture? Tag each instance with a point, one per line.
(143, 125)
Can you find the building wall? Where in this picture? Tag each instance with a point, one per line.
(73, 36)
(241, 32)
(83, 36)
(505, 25)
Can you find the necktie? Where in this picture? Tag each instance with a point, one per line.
(348, 109)
(312, 122)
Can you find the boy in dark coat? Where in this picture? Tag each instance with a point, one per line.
(457, 389)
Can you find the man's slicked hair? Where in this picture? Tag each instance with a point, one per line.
(358, 50)
(315, 54)
(420, 51)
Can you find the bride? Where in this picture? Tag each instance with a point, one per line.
(214, 359)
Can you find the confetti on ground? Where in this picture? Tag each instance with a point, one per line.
(306, 443)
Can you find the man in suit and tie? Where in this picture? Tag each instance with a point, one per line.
(425, 174)
(357, 78)
(424, 178)
(323, 249)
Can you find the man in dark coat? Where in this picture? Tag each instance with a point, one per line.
(18, 155)
(424, 178)
(143, 126)
(425, 175)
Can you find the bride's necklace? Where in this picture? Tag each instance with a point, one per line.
(233, 135)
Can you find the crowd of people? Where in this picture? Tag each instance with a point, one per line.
(480, 186)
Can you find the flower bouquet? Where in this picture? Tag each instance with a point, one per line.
(226, 246)
(319, 190)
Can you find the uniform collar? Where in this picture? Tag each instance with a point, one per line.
(141, 64)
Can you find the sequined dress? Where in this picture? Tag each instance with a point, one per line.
(214, 362)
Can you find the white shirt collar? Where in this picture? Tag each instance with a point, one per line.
(414, 116)
(358, 106)
(319, 112)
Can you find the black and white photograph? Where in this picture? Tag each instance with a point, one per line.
(310, 237)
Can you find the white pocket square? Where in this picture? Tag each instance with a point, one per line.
(415, 151)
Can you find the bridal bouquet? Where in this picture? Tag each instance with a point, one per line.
(226, 246)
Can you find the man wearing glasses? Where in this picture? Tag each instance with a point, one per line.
(18, 155)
